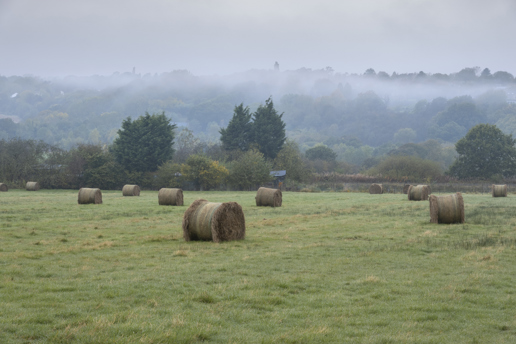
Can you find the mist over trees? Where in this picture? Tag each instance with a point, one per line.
(345, 123)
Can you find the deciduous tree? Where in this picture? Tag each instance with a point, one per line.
(484, 152)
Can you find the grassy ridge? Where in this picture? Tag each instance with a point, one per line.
(325, 267)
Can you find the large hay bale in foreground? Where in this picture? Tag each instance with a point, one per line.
(266, 197)
(131, 190)
(405, 188)
(204, 220)
(418, 193)
(170, 196)
(3, 187)
(499, 190)
(375, 189)
(32, 186)
(447, 209)
(88, 195)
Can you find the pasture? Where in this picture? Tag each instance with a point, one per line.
(323, 268)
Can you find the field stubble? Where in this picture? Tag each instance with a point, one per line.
(324, 267)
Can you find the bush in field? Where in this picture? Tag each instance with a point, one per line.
(407, 168)
(203, 172)
(168, 176)
(249, 171)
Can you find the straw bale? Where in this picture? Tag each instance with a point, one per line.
(447, 209)
(88, 195)
(267, 197)
(32, 186)
(418, 193)
(3, 187)
(131, 190)
(376, 189)
(218, 222)
(170, 196)
(499, 190)
(405, 188)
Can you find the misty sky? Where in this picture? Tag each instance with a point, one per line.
(86, 37)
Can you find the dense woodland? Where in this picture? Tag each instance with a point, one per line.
(333, 122)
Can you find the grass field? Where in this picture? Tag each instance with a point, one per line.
(324, 268)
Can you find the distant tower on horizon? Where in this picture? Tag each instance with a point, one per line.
(276, 66)
(134, 70)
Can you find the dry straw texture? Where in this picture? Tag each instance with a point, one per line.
(131, 190)
(405, 188)
(3, 187)
(32, 186)
(499, 190)
(269, 197)
(447, 209)
(418, 193)
(218, 222)
(87, 196)
(375, 189)
(170, 196)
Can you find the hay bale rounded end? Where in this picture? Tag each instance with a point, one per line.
(447, 209)
(170, 196)
(418, 193)
(131, 190)
(89, 196)
(266, 197)
(32, 186)
(3, 187)
(376, 189)
(499, 190)
(216, 222)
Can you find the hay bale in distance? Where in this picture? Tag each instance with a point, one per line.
(375, 189)
(88, 195)
(218, 222)
(266, 197)
(170, 196)
(405, 188)
(418, 193)
(32, 186)
(131, 190)
(499, 190)
(447, 209)
(3, 187)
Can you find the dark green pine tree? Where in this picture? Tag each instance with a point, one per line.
(145, 143)
(236, 135)
(268, 130)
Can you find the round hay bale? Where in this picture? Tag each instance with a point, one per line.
(204, 220)
(418, 193)
(3, 187)
(375, 189)
(32, 186)
(499, 190)
(170, 196)
(88, 195)
(266, 197)
(131, 190)
(447, 209)
(405, 188)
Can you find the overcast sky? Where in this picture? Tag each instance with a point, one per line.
(86, 37)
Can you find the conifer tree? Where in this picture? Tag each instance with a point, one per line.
(268, 130)
(236, 135)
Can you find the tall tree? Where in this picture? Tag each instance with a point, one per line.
(485, 151)
(268, 130)
(236, 135)
(145, 143)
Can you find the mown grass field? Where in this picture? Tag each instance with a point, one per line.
(324, 268)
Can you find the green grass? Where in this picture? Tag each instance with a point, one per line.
(325, 267)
